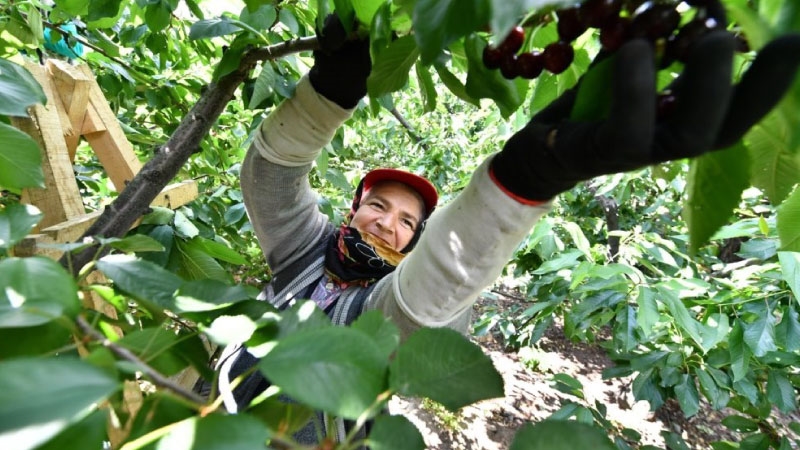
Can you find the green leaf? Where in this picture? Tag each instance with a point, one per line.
(208, 295)
(790, 271)
(788, 330)
(680, 314)
(20, 160)
(395, 433)
(789, 222)
(220, 251)
(36, 290)
(157, 16)
(715, 185)
(73, 7)
(216, 432)
(261, 18)
(715, 395)
(365, 9)
(164, 350)
(444, 366)
(279, 415)
(334, 369)
(454, 85)
(739, 352)
(760, 335)
(382, 330)
(91, 432)
(141, 279)
(390, 70)
(16, 221)
(780, 391)
(485, 83)
(560, 435)
(687, 395)
(18, 91)
(437, 23)
(740, 424)
(41, 397)
(196, 264)
(427, 88)
(219, 26)
(775, 164)
(134, 243)
(624, 329)
(101, 9)
(263, 88)
(647, 314)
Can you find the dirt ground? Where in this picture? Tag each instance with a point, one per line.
(531, 397)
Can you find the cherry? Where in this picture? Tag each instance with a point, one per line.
(569, 25)
(595, 13)
(513, 42)
(508, 66)
(530, 65)
(665, 105)
(679, 45)
(654, 21)
(558, 56)
(492, 57)
(614, 33)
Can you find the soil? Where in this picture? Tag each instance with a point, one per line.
(531, 397)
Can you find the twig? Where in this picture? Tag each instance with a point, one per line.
(155, 377)
(409, 128)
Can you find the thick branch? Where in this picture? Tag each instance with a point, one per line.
(611, 211)
(149, 372)
(135, 199)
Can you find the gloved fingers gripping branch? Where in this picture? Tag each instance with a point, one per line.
(552, 153)
(341, 64)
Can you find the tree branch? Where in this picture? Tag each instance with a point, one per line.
(135, 199)
(410, 129)
(155, 377)
(83, 41)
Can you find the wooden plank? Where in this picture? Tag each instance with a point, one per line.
(60, 200)
(72, 86)
(173, 196)
(111, 146)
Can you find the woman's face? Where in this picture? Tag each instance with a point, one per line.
(391, 211)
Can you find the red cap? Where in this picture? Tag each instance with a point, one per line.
(421, 185)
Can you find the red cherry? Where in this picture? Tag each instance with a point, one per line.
(530, 65)
(614, 33)
(508, 66)
(492, 57)
(558, 56)
(665, 105)
(569, 24)
(595, 13)
(653, 21)
(513, 42)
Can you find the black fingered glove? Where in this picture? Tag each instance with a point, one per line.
(552, 153)
(341, 66)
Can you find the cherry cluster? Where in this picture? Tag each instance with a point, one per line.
(617, 21)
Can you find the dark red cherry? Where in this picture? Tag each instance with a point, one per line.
(569, 24)
(678, 46)
(508, 66)
(653, 21)
(492, 57)
(614, 33)
(513, 42)
(595, 13)
(558, 56)
(530, 65)
(665, 105)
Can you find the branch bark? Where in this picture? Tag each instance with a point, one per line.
(409, 129)
(611, 211)
(135, 199)
(155, 377)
